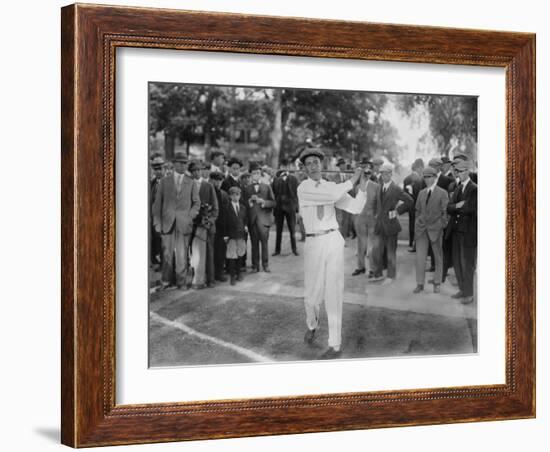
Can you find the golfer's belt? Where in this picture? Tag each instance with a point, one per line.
(315, 234)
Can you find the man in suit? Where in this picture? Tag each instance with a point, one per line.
(260, 202)
(387, 224)
(324, 247)
(364, 224)
(412, 184)
(431, 219)
(236, 219)
(441, 181)
(216, 179)
(155, 246)
(232, 179)
(463, 227)
(285, 187)
(176, 204)
(204, 231)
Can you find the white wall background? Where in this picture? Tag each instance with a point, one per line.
(30, 225)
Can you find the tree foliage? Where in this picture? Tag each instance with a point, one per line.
(453, 120)
(277, 121)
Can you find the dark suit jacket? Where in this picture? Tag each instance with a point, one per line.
(222, 198)
(176, 210)
(431, 217)
(286, 193)
(464, 219)
(235, 225)
(257, 214)
(384, 203)
(207, 195)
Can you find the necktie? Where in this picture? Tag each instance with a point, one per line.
(236, 209)
(320, 209)
(428, 197)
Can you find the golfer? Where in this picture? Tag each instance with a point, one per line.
(324, 247)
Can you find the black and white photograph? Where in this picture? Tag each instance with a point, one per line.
(304, 224)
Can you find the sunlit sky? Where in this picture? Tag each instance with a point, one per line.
(414, 132)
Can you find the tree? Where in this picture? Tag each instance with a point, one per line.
(453, 120)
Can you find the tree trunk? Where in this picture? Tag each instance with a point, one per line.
(169, 145)
(276, 136)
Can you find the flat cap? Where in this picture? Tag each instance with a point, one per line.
(377, 161)
(429, 171)
(445, 159)
(180, 157)
(386, 168)
(157, 162)
(459, 156)
(234, 189)
(461, 165)
(436, 162)
(340, 161)
(309, 151)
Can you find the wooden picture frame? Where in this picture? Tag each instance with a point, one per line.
(90, 36)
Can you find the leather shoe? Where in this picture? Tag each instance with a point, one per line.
(437, 289)
(255, 269)
(221, 278)
(296, 253)
(276, 253)
(239, 277)
(309, 336)
(331, 354)
(419, 288)
(467, 300)
(457, 295)
(358, 271)
(266, 269)
(233, 280)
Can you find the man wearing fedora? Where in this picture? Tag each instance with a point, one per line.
(430, 222)
(463, 229)
(324, 247)
(260, 200)
(176, 204)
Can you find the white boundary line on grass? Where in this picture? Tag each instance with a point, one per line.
(186, 329)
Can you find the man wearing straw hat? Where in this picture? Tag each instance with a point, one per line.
(324, 247)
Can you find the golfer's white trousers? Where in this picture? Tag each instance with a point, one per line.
(324, 280)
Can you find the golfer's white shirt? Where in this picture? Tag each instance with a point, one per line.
(329, 195)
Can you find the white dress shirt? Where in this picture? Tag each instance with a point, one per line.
(329, 195)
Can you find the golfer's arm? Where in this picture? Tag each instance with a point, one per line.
(328, 193)
(351, 204)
